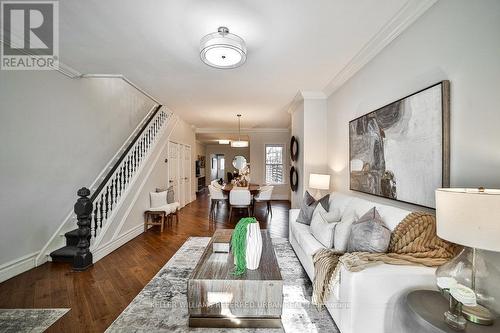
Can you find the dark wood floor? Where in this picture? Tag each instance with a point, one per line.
(97, 296)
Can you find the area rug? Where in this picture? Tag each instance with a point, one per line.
(162, 305)
(28, 320)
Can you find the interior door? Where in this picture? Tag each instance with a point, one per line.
(173, 168)
(187, 174)
(182, 196)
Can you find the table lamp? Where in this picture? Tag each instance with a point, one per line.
(469, 217)
(319, 182)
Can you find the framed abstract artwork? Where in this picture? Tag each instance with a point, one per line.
(402, 150)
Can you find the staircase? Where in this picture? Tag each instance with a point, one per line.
(95, 209)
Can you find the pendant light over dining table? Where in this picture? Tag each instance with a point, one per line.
(240, 143)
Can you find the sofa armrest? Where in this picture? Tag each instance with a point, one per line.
(292, 217)
(293, 214)
(370, 295)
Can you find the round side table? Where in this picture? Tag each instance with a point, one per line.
(425, 309)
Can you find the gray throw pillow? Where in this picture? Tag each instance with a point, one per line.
(170, 195)
(308, 205)
(369, 234)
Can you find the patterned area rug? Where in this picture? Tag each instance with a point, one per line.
(162, 305)
(28, 320)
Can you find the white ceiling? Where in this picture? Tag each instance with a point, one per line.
(292, 45)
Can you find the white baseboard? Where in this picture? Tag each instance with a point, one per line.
(17, 266)
(109, 247)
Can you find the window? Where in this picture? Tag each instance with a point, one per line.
(274, 164)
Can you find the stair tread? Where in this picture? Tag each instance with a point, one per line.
(65, 251)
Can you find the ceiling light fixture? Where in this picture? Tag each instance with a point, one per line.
(239, 143)
(224, 142)
(222, 49)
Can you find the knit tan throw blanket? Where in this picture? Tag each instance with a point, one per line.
(413, 242)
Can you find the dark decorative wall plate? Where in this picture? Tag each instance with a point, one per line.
(294, 179)
(294, 149)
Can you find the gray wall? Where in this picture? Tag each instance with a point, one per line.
(57, 134)
(456, 40)
(229, 153)
(258, 143)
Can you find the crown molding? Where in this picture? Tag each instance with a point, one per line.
(408, 14)
(243, 130)
(312, 94)
(302, 95)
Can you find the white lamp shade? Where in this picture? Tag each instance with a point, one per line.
(319, 182)
(469, 217)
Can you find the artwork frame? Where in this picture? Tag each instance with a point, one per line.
(374, 178)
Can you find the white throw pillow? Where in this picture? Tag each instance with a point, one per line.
(158, 199)
(323, 225)
(334, 215)
(343, 230)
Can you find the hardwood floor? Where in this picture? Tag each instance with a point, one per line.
(97, 296)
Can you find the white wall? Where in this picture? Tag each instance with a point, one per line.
(258, 143)
(57, 134)
(297, 112)
(456, 40)
(315, 145)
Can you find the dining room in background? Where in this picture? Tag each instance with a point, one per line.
(401, 151)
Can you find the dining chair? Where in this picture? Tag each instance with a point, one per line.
(215, 183)
(264, 195)
(216, 196)
(239, 198)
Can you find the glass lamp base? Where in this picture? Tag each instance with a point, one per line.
(478, 315)
(457, 322)
(471, 269)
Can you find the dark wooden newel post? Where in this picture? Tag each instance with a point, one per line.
(83, 211)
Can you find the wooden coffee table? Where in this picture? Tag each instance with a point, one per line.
(217, 298)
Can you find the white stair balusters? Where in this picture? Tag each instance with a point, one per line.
(109, 195)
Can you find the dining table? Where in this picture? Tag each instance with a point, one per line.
(253, 188)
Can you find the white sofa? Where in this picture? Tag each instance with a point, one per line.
(363, 301)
